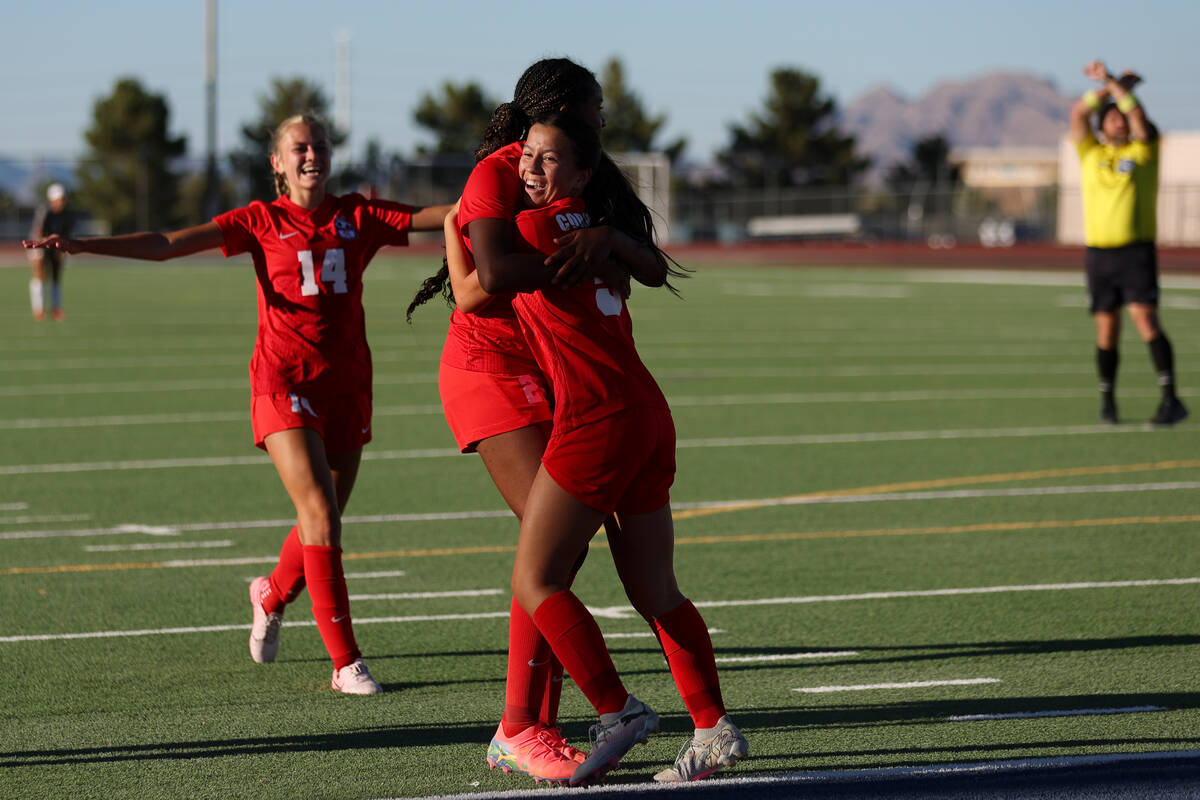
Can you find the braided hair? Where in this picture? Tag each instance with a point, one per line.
(545, 86)
(312, 121)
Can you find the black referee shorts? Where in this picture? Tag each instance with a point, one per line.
(1117, 276)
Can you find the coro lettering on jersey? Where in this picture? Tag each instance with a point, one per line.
(572, 220)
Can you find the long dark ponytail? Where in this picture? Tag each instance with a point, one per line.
(609, 196)
(545, 86)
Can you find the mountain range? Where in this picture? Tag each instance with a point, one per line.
(999, 109)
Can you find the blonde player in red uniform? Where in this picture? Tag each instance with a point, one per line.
(494, 395)
(612, 451)
(310, 373)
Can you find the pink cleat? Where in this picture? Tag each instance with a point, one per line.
(264, 627)
(354, 679)
(531, 752)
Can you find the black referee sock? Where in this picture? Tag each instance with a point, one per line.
(1164, 363)
(1106, 365)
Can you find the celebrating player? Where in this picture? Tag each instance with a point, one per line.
(310, 373)
(493, 393)
(1119, 183)
(612, 451)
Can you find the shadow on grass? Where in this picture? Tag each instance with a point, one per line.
(761, 722)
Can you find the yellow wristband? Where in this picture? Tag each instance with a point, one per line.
(1127, 103)
(1091, 99)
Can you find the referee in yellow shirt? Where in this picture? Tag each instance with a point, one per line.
(1119, 182)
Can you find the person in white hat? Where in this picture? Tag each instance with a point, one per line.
(51, 218)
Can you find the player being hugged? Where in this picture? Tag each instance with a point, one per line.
(493, 393)
(611, 451)
(310, 373)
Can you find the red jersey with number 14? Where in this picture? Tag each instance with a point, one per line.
(311, 328)
(581, 337)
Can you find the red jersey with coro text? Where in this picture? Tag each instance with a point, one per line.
(581, 337)
(489, 340)
(311, 328)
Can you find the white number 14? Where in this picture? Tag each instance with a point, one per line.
(333, 270)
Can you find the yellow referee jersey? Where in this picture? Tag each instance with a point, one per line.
(1120, 192)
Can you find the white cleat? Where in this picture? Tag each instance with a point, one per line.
(610, 742)
(354, 679)
(264, 627)
(706, 754)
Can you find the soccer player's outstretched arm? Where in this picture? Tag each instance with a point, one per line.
(146, 245)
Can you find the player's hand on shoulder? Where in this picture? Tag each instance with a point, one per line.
(582, 255)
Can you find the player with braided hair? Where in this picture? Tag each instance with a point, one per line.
(493, 393)
(310, 373)
(612, 451)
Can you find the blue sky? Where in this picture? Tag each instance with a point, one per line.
(704, 64)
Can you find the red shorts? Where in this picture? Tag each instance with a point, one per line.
(343, 420)
(624, 463)
(483, 404)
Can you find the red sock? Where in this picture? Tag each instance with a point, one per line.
(287, 579)
(330, 602)
(576, 639)
(529, 660)
(684, 638)
(548, 711)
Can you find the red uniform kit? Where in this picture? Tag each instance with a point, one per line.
(613, 445)
(311, 366)
(488, 379)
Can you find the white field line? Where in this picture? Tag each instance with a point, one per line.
(189, 385)
(785, 398)
(1076, 712)
(739, 441)
(963, 494)
(1025, 278)
(785, 657)
(28, 520)
(117, 548)
(14, 506)
(949, 494)
(354, 576)
(192, 527)
(625, 612)
(241, 627)
(122, 362)
(42, 423)
(429, 595)
(1044, 587)
(650, 634)
(866, 687)
(904, 436)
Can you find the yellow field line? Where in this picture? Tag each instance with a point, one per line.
(941, 483)
(982, 527)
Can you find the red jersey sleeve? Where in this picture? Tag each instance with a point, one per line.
(537, 228)
(241, 227)
(392, 221)
(492, 190)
